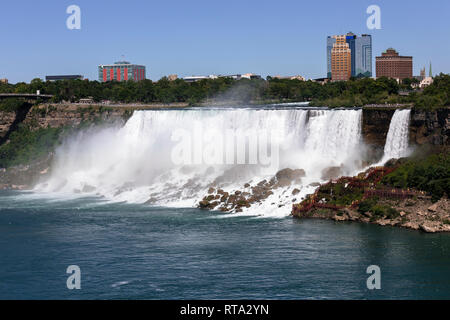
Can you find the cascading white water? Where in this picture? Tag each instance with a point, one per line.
(333, 135)
(135, 163)
(397, 145)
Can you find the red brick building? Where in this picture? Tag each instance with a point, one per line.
(392, 65)
(121, 71)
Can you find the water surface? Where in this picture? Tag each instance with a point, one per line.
(140, 252)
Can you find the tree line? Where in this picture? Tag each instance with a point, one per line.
(355, 92)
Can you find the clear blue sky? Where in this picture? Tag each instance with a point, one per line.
(196, 37)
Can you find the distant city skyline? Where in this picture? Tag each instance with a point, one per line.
(210, 37)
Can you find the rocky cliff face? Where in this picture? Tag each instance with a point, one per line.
(6, 120)
(426, 127)
(56, 116)
(430, 127)
(375, 126)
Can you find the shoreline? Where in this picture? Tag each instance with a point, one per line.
(423, 216)
(367, 198)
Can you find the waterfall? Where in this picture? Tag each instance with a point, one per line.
(333, 134)
(398, 135)
(140, 162)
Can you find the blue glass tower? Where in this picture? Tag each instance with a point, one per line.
(330, 42)
(363, 57)
(351, 40)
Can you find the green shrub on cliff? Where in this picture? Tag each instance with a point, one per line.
(338, 194)
(11, 105)
(366, 205)
(377, 210)
(27, 145)
(431, 174)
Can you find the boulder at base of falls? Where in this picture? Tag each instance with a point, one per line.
(286, 176)
(314, 184)
(205, 204)
(152, 200)
(331, 173)
(237, 200)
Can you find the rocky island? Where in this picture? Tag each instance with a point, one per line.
(371, 197)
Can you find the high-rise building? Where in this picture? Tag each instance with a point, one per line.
(341, 60)
(390, 64)
(350, 38)
(363, 57)
(361, 54)
(121, 71)
(330, 43)
(4, 80)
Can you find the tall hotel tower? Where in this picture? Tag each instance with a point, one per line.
(341, 59)
(361, 54)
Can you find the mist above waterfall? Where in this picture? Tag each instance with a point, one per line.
(134, 163)
(242, 92)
